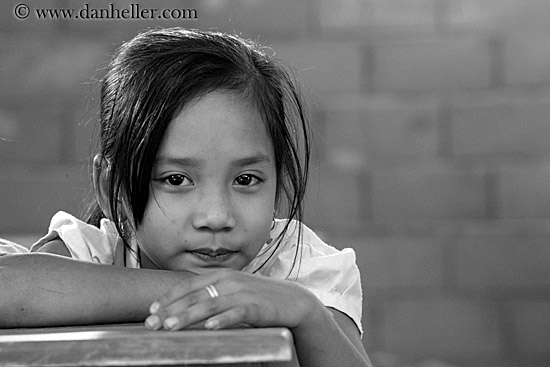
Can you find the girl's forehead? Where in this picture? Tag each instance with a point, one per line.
(219, 122)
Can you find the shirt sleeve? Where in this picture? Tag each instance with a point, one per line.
(84, 241)
(331, 274)
(8, 248)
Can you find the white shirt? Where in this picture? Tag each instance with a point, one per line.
(331, 274)
(8, 247)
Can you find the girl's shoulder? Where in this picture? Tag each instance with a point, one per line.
(299, 248)
(331, 274)
(299, 234)
(82, 240)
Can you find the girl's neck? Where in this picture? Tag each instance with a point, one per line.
(146, 262)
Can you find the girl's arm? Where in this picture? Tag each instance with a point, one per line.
(49, 290)
(323, 337)
(330, 340)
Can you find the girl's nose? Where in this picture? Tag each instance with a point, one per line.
(214, 212)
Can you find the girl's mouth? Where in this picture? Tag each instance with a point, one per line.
(210, 255)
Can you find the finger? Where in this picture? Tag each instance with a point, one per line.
(182, 289)
(156, 320)
(234, 316)
(219, 312)
(184, 303)
(196, 313)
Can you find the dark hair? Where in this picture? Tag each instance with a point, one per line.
(154, 75)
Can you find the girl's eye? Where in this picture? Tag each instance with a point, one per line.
(177, 180)
(246, 180)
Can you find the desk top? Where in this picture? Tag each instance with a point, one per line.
(125, 345)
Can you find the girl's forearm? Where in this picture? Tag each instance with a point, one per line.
(47, 290)
(322, 342)
(38, 290)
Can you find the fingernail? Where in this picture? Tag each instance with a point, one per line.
(212, 324)
(152, 322)
(170, 323)
(154, 307)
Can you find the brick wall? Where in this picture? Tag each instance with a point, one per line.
(431, 154)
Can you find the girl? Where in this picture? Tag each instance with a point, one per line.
(203, 141)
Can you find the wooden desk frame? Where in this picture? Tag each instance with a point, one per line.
(133, 345)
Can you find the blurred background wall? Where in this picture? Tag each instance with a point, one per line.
(431, 120)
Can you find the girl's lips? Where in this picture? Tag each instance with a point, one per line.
(210, 255)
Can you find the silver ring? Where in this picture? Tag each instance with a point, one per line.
(212, 291)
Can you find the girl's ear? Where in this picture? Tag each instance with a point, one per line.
(100, 181)
(101, 171)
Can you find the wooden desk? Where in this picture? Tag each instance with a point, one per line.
(133, 345)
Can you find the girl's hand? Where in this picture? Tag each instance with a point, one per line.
(227, 298)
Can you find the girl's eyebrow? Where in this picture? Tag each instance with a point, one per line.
(257, 158)
(186, 162)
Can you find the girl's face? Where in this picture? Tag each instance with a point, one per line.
(212, 197)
